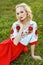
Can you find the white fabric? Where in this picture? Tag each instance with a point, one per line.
(15, 31)
(27, 38)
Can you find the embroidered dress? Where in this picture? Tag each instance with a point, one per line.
(9, 51)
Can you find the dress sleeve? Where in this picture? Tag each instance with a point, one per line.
(13, 32)
(34, 37)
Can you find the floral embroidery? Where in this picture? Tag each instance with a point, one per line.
(23, 34)
(36, 32)
(30, 29)
(18, 27)
(12, 31)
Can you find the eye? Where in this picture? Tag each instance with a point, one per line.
(17, 13)
(21, 11)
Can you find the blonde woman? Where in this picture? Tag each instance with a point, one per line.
(23, 32)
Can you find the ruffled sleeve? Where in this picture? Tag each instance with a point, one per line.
(13, 31)
(34, 37)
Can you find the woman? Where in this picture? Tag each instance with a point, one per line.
(23, 32)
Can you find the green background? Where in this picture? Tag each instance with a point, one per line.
(8, 17)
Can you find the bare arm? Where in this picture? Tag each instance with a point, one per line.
(17, 38)
(32, 53)
(32, 50)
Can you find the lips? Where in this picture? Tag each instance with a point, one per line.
(21, 17)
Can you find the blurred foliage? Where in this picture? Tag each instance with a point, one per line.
(8, 17)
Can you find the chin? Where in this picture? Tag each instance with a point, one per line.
(22, 19)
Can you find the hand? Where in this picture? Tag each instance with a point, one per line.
(36, 57)
(21, 25)
(15, 43)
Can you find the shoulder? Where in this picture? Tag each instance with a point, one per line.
(14, 24)
(33, 23)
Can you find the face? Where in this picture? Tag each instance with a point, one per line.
(21, 13)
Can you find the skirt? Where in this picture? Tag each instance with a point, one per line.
(9, 51)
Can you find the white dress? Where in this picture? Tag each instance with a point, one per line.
(9, 51)
(29, 34)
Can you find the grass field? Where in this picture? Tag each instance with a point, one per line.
(8, 16)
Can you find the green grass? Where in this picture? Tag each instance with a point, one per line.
(7, 17)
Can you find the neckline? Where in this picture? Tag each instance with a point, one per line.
(26, 23)
(25, 26)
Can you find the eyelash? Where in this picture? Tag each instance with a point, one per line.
(17, 13)
(20, 12)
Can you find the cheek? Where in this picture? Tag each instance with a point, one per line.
(23, 15)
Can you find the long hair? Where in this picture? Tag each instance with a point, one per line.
(26, 8)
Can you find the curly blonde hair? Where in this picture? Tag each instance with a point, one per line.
(26, 8)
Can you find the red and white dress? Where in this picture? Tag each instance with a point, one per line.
(9, 51)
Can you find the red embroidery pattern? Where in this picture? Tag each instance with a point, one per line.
(30, 29)
(12, 31)
(36, 32)
(18, 27)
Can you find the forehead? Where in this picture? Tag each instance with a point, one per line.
(18, 9)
